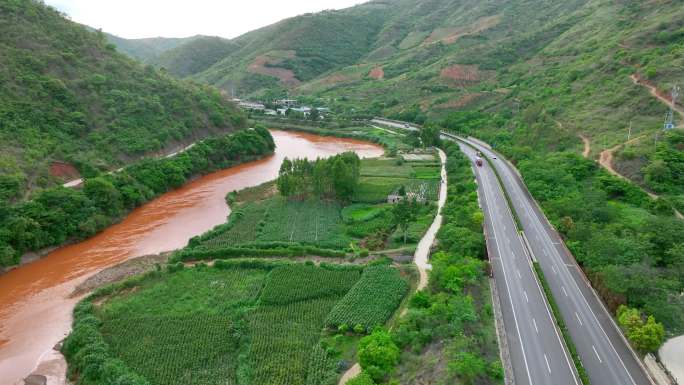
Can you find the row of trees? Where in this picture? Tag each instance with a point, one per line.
(56, 215)
(336, 177)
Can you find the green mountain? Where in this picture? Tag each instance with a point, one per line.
(194, 56)
(535, 78)
(147, 49)
(563, 69)
(69, 99)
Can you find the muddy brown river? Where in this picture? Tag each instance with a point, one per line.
(35, 303)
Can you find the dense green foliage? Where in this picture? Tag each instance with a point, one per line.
(58, 214)
(298, 283)
(246, 322)
(194, 56)
(283, 331)
(645, 336)
(371, 301)
(378, 354)
(616, 233)
(68, 96)
(147, 49)
(658, 168)
(267, 224)
(336, 177)
(448, 331)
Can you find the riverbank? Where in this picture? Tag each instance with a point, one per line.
(35, 299)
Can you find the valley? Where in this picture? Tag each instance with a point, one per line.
(391, 192)
(36, 316)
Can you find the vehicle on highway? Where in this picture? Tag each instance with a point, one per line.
(478, 161)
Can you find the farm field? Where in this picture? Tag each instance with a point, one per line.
(371, 301)
(277, 219)
(262, 217)
(247, 322)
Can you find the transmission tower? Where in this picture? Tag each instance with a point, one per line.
(669, 118)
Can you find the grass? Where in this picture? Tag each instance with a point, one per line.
(361, 212)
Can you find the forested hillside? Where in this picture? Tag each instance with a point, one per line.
(194, 56)
(146, 49)
(530, 77)
(71, 104)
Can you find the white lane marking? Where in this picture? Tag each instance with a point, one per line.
(508, 289)
(553, 267)
(527, 299)
(541, 229)
(547, 363)
(534, 321)
(564, 292)
(519, 276)
(548, 311)
(597, 356)
(578, 318)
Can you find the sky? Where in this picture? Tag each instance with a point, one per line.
(181, 18)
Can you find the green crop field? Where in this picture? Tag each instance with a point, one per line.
(276, 219)
(381, 177)
(372, 300)
(298, 283)
(180, 328)
(227, 324)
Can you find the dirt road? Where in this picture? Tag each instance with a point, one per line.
(655, 92)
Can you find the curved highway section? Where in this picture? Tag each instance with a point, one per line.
(603, 350)
(538, 354)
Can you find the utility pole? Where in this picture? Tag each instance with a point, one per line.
(669, 118)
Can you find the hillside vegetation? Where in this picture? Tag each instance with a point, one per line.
(67, 96)
(146, 49)
(194, 56)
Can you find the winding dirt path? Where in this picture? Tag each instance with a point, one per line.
(606, 161)
(420, 257)
(587, 146)
(352, 372)
(655, 92)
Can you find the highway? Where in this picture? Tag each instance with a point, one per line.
(538, 354)
(602, 348)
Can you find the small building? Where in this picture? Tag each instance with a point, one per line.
(303, 110)
(251, 105)
(286, 103)
(396, 198)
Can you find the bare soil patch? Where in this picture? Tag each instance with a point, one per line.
(119, 272)
(335, 79)
(459, 72)
(267, 65)
(377, 73)
(64, 170)
(587, 146)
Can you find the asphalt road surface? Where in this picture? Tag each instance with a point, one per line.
(537, 351)
(602, 348)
